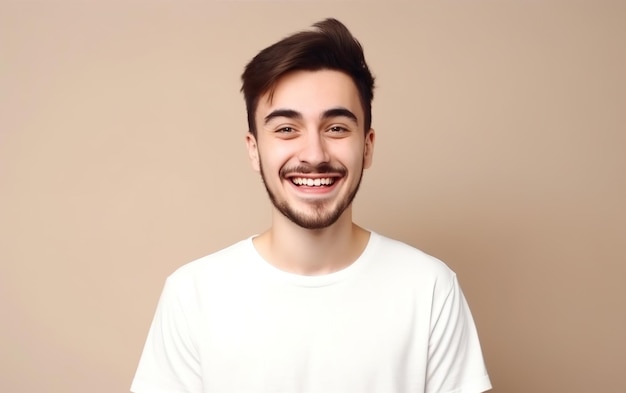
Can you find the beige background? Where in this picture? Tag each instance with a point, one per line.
(501, 149)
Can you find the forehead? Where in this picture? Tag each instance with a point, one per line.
(311, 93)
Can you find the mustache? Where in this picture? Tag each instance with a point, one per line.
(317, 169)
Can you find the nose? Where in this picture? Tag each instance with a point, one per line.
(313, 149)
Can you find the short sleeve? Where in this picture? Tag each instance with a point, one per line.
(170, 362)
(455, 361)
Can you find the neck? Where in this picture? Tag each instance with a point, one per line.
(297, 250)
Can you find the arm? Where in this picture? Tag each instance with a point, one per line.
(455, 361)
(170, 362)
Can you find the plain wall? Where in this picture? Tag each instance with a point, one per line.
(501, 149)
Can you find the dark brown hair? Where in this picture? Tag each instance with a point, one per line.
(331, 46)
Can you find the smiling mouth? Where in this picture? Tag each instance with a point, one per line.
(318, 182)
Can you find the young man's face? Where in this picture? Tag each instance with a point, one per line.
(310, 147)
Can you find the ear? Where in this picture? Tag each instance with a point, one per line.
(253, 151)
(368, 150)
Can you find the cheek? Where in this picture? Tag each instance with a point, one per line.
(354, 156)
(272, 158)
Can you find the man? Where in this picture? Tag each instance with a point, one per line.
(315, 304)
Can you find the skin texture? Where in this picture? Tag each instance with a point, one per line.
(311, 130)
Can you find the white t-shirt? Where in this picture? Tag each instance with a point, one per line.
(395, 321)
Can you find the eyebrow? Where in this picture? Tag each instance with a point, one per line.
(339, 112)
(329, 113)
(288, 113)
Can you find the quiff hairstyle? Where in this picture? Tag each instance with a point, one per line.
(329, 46)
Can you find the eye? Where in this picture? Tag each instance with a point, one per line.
(285, 130)
(338, 129)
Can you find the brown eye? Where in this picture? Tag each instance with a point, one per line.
(337, 129)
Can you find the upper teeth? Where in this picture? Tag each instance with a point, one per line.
(301, 181)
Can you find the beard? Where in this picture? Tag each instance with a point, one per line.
(322, 216)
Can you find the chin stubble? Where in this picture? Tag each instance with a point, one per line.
(317, 220)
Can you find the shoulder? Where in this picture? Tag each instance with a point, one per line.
(404, 260)
(219, 264)
(397, 252)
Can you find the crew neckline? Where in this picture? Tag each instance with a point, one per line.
(268, 269)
